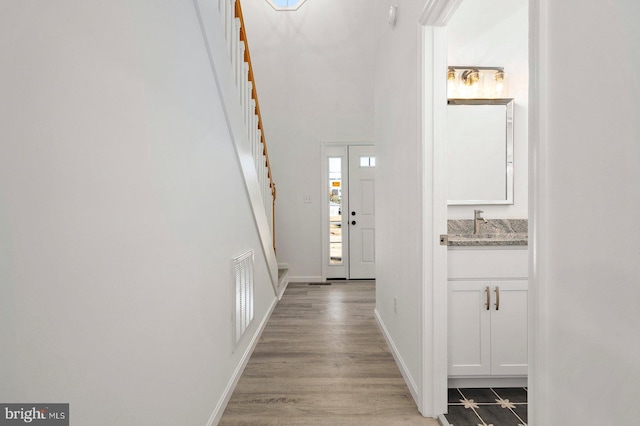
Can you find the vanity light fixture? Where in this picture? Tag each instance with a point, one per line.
(476, 82)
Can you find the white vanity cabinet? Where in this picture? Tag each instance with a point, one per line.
(487, 312)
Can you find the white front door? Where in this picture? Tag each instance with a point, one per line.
(361, 213)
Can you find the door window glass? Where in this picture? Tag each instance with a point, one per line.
(335, 210)
(367, 161)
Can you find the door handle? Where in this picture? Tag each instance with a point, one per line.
(353, 222)
(488, 304)
(497, 298)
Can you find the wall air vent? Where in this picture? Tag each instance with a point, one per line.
(243, 282)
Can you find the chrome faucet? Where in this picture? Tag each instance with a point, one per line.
(476, 220)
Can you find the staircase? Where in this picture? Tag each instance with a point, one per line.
(231, 62)
(240, 59)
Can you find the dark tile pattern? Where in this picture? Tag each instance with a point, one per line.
(487, 407)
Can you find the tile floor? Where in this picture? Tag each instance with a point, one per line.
(487, 407)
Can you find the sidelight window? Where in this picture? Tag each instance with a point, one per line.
(335, 210)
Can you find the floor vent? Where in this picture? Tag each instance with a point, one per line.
(243, 271)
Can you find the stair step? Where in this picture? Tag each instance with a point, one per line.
(283, 280)
(281, 273)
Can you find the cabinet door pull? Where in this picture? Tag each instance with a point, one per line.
(488, 304)
(497, 298)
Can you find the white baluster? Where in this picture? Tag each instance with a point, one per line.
(256, 158)
(231, 27)
(263, 182)
(245, 101)
(227, 19)
(255, 138)
(248, 110)
(266, 200)
(261, 178)
(234, 48)
(258, 144)
(269, 209)
(265, 173)
(267, 204)
(252, 137)
(265, 185)
(260, 148)
(223, 14)
(249, 122)
(241, 85)
(259, 162)
(238, 60)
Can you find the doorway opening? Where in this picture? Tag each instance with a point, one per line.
(435, 40)
(348, 214)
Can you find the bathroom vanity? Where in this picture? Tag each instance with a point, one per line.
(487, 287)
(487, 303)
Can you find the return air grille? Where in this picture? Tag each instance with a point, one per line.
(243, 271)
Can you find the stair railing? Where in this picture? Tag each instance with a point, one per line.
(240, 58)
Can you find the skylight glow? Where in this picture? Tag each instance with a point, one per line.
(285, 4)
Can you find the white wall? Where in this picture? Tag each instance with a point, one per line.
(313, 70)
(121, 206)
(586, 158)
(495, 33)
(397, 128)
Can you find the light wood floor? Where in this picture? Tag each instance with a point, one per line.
(323, 360)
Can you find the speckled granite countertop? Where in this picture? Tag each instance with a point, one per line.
(496, 232)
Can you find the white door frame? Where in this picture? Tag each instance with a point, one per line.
(433, 69)
(330, 149)
(538, 214)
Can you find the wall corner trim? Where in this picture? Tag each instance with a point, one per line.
(438, 12)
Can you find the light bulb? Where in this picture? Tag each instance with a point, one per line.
(452, 80)
(500, 83)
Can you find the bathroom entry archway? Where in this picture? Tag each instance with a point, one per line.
(348, 214)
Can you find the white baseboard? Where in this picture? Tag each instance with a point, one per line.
(487, 382)
(443, 420)
(411, 384)
(228, 391)
(306, 279)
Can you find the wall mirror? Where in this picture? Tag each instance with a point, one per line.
(480, 151)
